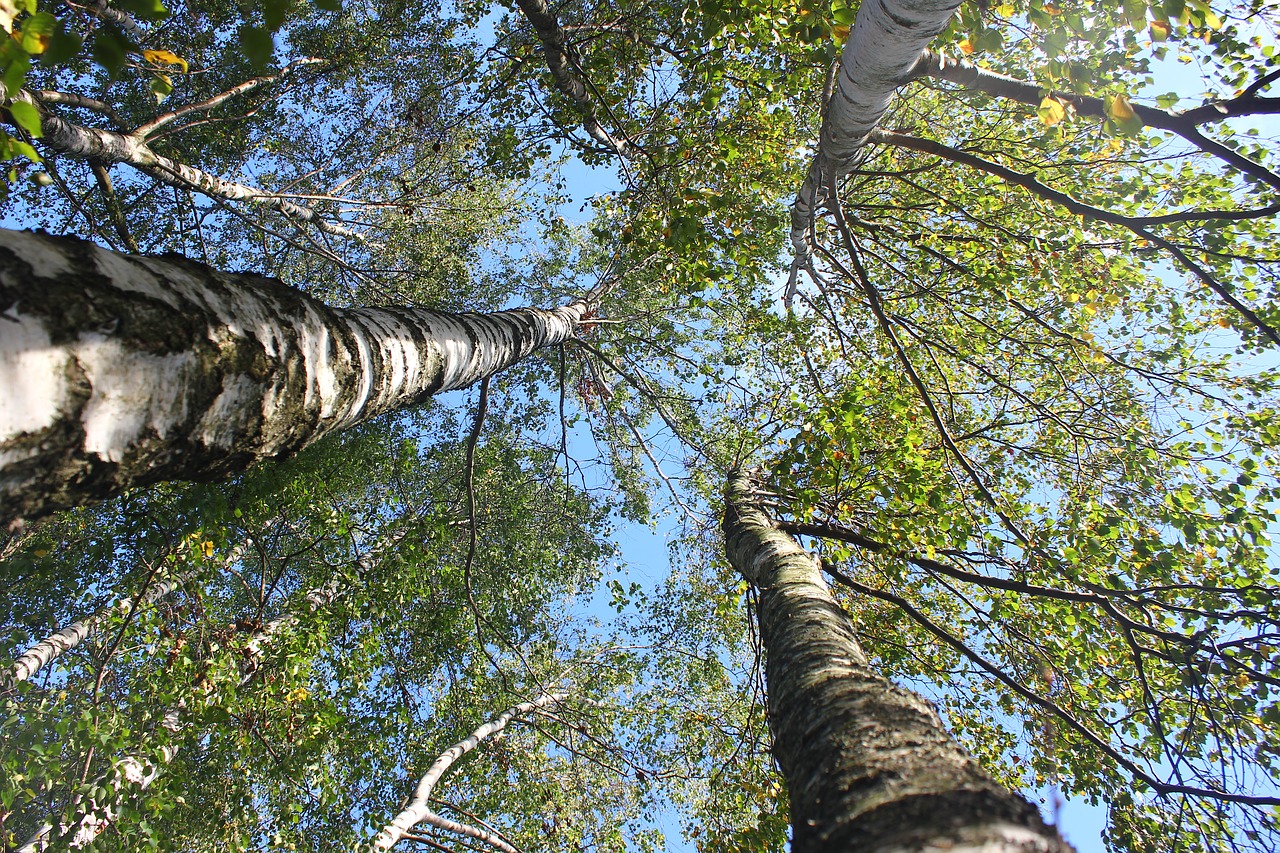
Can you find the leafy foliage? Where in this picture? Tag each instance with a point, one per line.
(1023, 405)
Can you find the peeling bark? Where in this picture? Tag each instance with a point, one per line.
(869, 765)
(119, 371)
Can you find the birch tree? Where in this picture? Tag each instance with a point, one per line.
(868, 765)
(1015, 395)
(199, 374)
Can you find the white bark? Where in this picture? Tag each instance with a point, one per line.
(132, 149)
(419, 809)
(54, 646)
(118, 371)
(132, 771)
(102, 9)
(886, 40)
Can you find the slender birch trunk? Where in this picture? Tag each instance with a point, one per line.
(869, 766)
(133, 774)
(118, 371)
(564, 72)
(418, 809)
(133, 149)
(56, 645)
(884, 44)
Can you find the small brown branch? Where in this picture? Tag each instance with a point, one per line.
(1041, 701)
(1137, 225)
(112, 203)
(144, 131)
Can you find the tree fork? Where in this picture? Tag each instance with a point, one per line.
(869, 765)
(120, 371)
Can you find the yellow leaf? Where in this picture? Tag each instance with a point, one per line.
(1242, 680)
(841, 31)
(207, 548)
(35, 43)
(1052, 9)
(165, 57)
(1224, 323)
(1160, 30)
(1212, 21)
(1051, 111)
(966, 47)
(1120, 109)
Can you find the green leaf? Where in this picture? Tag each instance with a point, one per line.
(1136, 12)
(109, 49)
(26, 117)
(62, 46)
(274, 13)
(37, 32)
(15, 74)
(147, 10)
(161, 87)
(257, 44)
(11, 148)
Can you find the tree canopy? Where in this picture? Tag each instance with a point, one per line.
(982, 298)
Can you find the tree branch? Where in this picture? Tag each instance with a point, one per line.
(1138, 225)
(145, 131)
(563, 65)
(1184, 124)
(419, 810)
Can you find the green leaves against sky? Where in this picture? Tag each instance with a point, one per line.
(1023, 405)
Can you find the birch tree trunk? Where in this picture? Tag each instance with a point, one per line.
(58, 644)
(118, 371)
(869, 765)
(418, 808)
(884, 44)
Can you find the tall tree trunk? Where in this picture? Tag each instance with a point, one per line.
(869, 765)
(120, 371)
(884, 44)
